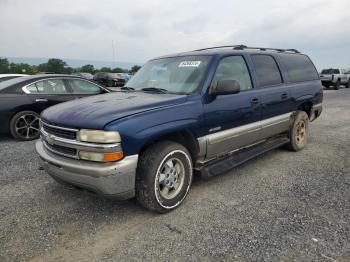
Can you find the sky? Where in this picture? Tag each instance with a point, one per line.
(141, 30)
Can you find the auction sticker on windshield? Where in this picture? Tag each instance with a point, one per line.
(189, 63)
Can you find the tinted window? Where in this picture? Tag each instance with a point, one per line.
(85, 87)
(233, 68)
(330, 71)
(267, 72)
(49, 86)
(299, 67)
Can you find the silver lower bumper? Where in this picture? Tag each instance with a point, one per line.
(115, 179)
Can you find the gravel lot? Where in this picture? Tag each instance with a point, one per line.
(280, 206)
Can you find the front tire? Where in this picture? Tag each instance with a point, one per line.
(164, 176)
(299, 132)
(25, 126)
(347, 84)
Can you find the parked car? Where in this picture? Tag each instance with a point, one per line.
(109, 79)
(84, 75)
(335, 77)
(4, 77)
(22, 100)
(207, 110)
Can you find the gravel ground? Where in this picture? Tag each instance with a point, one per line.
(280, 206)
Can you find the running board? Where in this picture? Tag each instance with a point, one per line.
(225, 164)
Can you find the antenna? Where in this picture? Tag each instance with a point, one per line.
(113, 51)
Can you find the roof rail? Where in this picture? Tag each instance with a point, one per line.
(242, 47)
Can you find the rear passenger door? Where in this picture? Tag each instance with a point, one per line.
(233, 121)
(276, 101)
(48, 92)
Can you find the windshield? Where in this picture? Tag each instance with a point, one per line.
(330, 71)
(178, 75)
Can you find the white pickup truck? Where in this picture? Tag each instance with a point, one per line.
(335, 77)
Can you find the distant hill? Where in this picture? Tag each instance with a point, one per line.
(71, 62)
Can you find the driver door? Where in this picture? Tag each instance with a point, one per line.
(233, 121)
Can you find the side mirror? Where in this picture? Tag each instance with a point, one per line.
(226, 87)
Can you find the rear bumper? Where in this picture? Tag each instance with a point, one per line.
(116, 180)
(316, 111)
(327, 81)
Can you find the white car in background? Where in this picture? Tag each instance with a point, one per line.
(4, 77)
(335, 77)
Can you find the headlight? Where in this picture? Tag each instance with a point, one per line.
(98, 136)
(100, 157)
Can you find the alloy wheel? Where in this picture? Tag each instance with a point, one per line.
(27, 126)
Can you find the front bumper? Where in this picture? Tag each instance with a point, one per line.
(116, 179)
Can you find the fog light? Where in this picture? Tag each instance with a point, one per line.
(101, 157)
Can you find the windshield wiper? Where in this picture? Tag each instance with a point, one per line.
(155, 89)
(127, 88)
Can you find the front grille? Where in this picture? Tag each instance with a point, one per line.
(62, 150)
(60, 132)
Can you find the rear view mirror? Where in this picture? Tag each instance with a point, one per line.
(226, 87)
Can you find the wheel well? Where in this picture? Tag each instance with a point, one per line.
(184, 138)
(25, 109)
(306, 107)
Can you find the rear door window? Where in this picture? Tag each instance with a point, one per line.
(267, 71)
(48, 86)
(299, 67)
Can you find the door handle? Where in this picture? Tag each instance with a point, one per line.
(41, 100)
(284, 96)
(254, 101)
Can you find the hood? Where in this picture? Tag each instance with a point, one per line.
(97, 111)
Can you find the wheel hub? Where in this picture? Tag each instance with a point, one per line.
(171, 178)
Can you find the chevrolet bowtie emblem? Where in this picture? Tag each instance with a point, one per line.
(50, 139)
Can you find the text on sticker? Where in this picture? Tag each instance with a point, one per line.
(189, 63)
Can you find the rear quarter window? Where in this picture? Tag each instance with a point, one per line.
(299, 68)
(266, 70)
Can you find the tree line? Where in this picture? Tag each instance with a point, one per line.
(57, 66)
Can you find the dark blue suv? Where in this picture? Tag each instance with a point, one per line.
(207, 110)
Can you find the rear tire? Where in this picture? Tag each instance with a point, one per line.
(299, 131)
(164, 176)
(347, 84)
(25, 126)
(337, 85)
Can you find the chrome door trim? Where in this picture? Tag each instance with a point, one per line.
(233, 132)
(212, 139)
(276, 120)
(26, 91)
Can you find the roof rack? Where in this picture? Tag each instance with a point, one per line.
(242, 47)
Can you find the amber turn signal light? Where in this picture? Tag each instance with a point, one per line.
(110, 157)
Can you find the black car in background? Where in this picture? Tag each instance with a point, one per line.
(22, 100)
(109, 79)
(84, 75)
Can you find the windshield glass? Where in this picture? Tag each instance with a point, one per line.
(178, 75)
